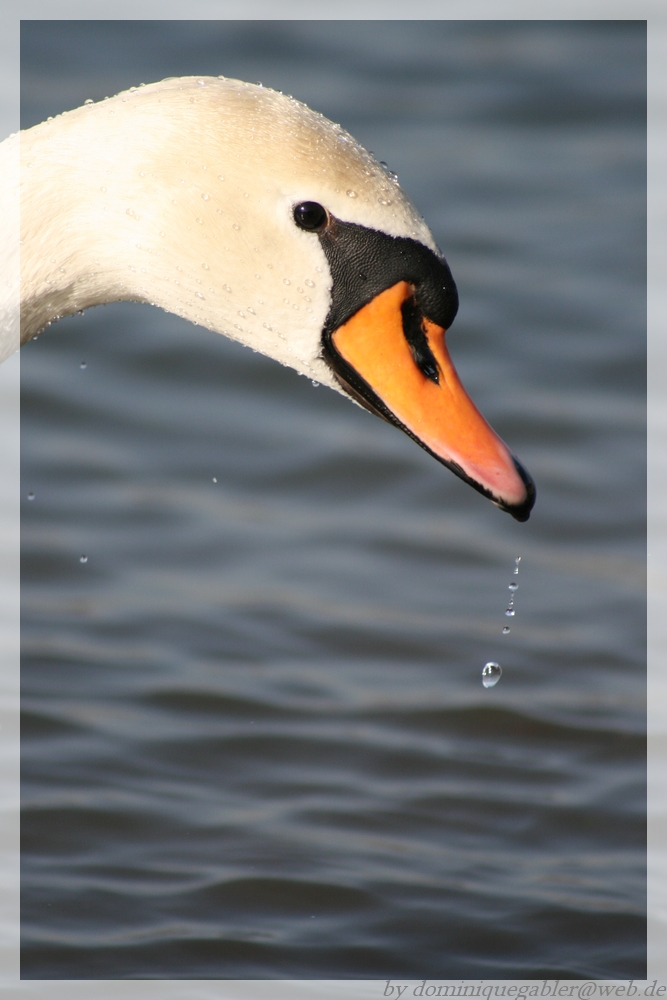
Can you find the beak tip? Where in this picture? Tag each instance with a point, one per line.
(521, 511)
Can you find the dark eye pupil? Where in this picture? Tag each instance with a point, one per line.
(311, 216)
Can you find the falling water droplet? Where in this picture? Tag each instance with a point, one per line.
(513, 586)
(83, 559)
(510, 612)
(315, 383)
(83, 365)
(31, 496)
(506, 630)
(491, 674)
(215, 479)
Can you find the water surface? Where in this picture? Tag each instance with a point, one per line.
(255, 737)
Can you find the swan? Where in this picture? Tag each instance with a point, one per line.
(242, 210)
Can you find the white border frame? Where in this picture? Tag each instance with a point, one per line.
(655, 13)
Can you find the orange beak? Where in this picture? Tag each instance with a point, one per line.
(434, 408)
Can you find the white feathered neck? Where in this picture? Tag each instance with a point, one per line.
(181, 194)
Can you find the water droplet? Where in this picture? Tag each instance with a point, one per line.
(510, 612)
(206, 197)
(491, 674)
(384, 201)
(102, 188)
(517, 560)
(311, 284)
(83, 559)
(88, 100)
(31, 496)
(129, 211)
(286, 281)
(200, 221)
(220, 177)
(513, 585)
(214, 479)
(506, 630)
(315, 383)
(234, 226)
(516, 571)
(227, 288)
(206, 267)
(351, 194)
(201, 83)
(199, 295)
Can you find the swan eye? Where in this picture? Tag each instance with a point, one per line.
(311, 216)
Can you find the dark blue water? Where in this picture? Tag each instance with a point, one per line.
(255, 739)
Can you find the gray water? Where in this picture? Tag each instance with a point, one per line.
(255, 737)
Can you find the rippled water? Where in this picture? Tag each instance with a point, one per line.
(255, 738)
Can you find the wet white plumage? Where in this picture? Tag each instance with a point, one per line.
(181, 194)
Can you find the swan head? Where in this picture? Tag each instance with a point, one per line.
(245, 211)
